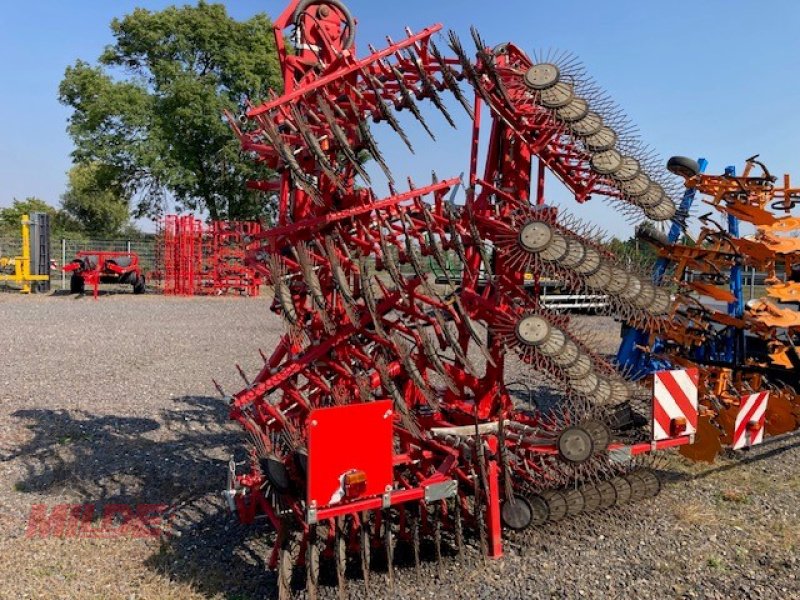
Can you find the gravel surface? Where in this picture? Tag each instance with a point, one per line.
(111, 402)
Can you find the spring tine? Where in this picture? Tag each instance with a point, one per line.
(369, 296)
(369, 141)
(453, 343)
(413, 371)
(312, 563)
(473, 333)
(340, 281)
(300, 177)
(450, 80)
(315, 149)
(437, 538)
(243, 376)
(219, 389)
(487, 62)
(400, 404)
(429, 87)
(415, 541)
(365, 549)
(340, 557)
(477, 240)
(313, 285)
(341, 138)
(458, 526)
(436, 362)
(386, 112)
(388, 544)
(391, 265)
(409, 102)
(284, 563)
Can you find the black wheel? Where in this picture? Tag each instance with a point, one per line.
(608, 495)
(591, 497)
(600, 433)
(575, 501)
(652, 484)
(683, 166)
(539, 511)
(575, 445)
(517, 513)
(623, 489)
(76, 284)
(139, 287)
(638, 488)
(556, 505)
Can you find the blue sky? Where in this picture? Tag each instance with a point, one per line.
(714, 78)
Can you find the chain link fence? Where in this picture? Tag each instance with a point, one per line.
(62, 251)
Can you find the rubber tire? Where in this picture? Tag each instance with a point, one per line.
(139, 287)
(76, 284)
(683, 166)
(348, 17)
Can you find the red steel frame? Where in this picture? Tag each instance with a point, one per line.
(334, 221)
(202, 259)
(104, 268)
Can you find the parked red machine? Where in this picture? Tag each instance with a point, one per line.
(386, 413)
(200, 259)
(98, 266)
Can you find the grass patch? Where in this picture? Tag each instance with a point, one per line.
(734, 496)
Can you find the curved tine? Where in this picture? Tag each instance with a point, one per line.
(385, 111)
(449, 79)
(341, 138)
(369, 142)
(429, 87)
(314, 147)
(409, 102)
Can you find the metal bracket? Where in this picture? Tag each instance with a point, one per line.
(230, 497)
(620, 455)
(440, 491)
(311, 514)
(386, 500)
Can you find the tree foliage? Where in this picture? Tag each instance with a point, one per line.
(95, 199)
(61, 224)
(151, 109)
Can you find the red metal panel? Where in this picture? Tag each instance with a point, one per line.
(343, 439)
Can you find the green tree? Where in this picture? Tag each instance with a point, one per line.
(152, 108)
(95, 199)
(61, 224)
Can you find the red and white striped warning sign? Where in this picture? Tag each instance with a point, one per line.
(749, 429)
(674, 403)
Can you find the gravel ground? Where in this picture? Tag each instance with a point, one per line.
(111, 402)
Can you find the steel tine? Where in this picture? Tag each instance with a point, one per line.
(487, 62)
(365, 549)
(409, 102)
(433, 356)
(341, 138)
(385, 111)
(458, 526)
(340, 557)
(473, 333)
(429, 87)
(315, 149)
(415, 538)
(284, 562)
(388, 544)
(312, 563)
(450, 81)
(369, 141)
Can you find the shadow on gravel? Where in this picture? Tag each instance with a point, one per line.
(178, 459)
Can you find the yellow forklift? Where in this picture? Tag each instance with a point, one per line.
(30, 271)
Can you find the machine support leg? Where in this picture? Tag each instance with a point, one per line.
(493, 512)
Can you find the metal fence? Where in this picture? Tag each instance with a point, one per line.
(63, 251)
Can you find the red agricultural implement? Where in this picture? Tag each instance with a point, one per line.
(202, 259)
(387, 414)
(94, 267)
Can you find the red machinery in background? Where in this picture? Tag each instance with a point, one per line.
(97, 266)
(200, 259)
